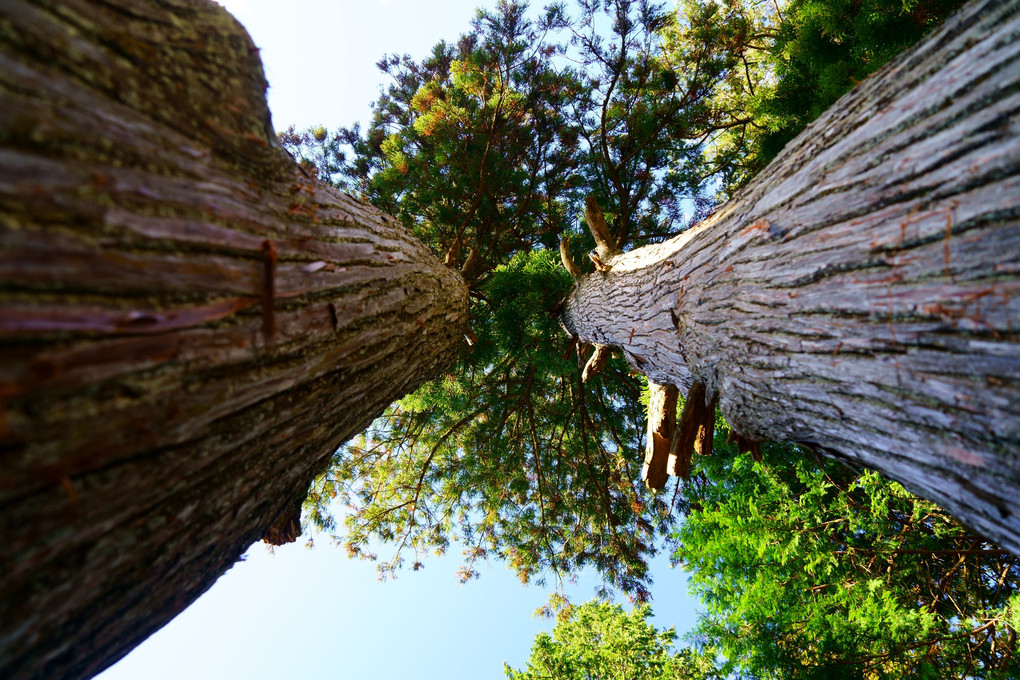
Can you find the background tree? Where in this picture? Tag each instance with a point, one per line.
(789, 62)
(600, 641)
(808, 569)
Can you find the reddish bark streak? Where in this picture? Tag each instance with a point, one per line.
(268, 290)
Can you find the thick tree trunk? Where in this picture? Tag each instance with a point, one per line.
(862, 296)
(189, 325)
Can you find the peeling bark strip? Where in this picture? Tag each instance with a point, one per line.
(862, 296)
(189, 326)
(287, 526)
(696, 423)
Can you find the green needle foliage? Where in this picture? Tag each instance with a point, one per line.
(509, 453)
(599, 641)
(470, 147)
(792, 60)
(810, 570)
(642, 117)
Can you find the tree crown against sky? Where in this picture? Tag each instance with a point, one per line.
(600, 641)
(487, 149)
(792, 61)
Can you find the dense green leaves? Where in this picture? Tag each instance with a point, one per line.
(599, 641)
(810, 570)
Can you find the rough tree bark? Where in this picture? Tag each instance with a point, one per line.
(189, 325)
(861, 296)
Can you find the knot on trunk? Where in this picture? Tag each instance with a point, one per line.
(286, 527)
(598, 360)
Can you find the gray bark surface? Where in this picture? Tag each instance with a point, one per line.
(862, 295)
(189, 324)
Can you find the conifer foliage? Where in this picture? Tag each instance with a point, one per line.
(808, 569)
(600, 641)
(789, 62)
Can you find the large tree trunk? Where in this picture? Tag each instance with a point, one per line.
(862, 295)
(189, 325)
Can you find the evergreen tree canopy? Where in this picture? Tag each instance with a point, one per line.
(488, 149)
(500, 454)
(600, 641)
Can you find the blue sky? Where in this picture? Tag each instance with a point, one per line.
(314, 613)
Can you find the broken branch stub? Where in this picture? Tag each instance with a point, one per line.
(599, 264)
(286, 528)
(568, 260)
(453, 254)
(697, 423)
(472, 266)
(596, 362)
(605, 244)
(745, 445)
(703, 440)
(662, 401)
